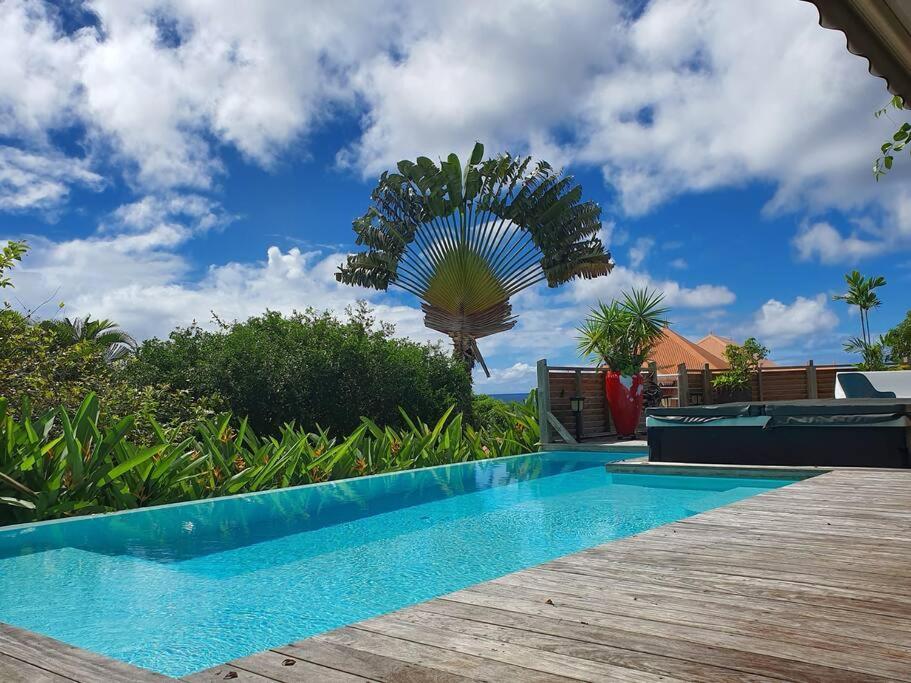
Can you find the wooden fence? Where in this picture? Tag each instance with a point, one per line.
(557, 385)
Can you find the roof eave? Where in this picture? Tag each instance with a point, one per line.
(876, 32)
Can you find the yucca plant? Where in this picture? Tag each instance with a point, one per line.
(466, 239)
(622, 334)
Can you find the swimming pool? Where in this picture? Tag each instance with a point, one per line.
(183, 587)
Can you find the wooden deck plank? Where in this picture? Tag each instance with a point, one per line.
(437, 657)
(376, 666)
(503, 650)
(68, 661)
(14, 670)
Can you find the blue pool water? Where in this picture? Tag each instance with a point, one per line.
(183, 587)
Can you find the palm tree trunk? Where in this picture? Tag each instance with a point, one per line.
(463, 349)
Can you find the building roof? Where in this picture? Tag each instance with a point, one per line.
(674, 349)
(716, 344)
(879, 30)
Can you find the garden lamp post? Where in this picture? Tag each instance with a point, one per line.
(577, 403)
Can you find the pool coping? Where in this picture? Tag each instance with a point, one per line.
(24, 652)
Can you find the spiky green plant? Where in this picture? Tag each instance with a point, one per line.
(466, 239)
(104, 333)
(622, 334)
(59, 464)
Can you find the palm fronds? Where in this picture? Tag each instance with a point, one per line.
(465, 240)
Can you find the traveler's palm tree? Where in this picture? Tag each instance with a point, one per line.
(861, 293)
(465, 240)
(105, 333)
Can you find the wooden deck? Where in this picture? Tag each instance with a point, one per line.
(811, 582)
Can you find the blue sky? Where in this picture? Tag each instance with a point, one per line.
(169, 159)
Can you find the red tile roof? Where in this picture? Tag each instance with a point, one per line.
(716, 345)
(675, 349)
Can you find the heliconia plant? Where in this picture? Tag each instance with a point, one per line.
(59, 465)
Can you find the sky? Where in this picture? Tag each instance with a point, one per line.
(167, 160)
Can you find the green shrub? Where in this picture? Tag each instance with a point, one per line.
(308, 368)
(493, 414)
(743, 362)
(63, 463)
(46, 369)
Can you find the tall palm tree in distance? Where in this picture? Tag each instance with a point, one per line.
(861, 293)
(465, 240)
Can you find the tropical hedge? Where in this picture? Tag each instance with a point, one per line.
(62, 463)
(310, 368)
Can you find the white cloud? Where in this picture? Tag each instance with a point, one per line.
(679, 264)
(640, 249)
(162, 84)
(823, 242)
(588, 292)
(39, 85)
(690, 95)
(517, 377)
(777, 323)
(469, 71)
(131, 271)
(31, 181)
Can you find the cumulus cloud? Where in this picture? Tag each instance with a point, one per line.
(516, 377)
(640, 249)
(777, 323)
(688, 95)
(147, 292)
(33, 181)
(622, 278)
(823, 242)
(161, 84)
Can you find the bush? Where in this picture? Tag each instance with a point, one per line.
(308, 368)
(493, 414)
(63, 463)
(898, 339)
(743, 362)
(47, 370)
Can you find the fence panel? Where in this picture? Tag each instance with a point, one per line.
(780, 383)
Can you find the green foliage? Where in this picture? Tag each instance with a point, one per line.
(898, 339)
(106, 334)
(743, 361)
(492, 414)
(63, 463)
(621, 335)
(466, 239)
(900, 139)
(861, 293)
(308, 368)
(47, 369)
(875, 355)
(9, 255)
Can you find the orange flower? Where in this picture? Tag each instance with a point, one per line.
(239, 464)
